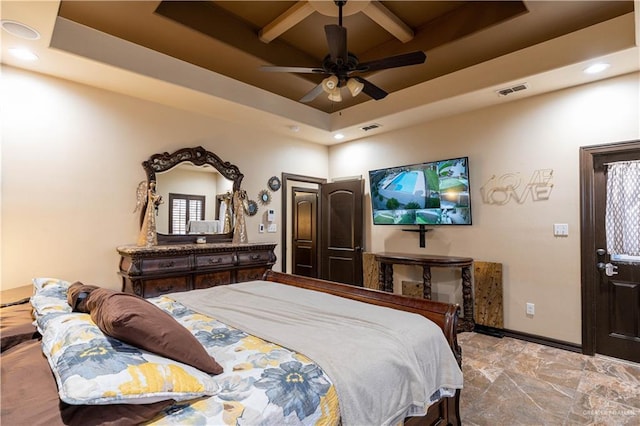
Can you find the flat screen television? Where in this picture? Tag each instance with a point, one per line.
(433, 193)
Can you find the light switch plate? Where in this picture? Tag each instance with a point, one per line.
(272, 227)
(561, 229)
(531, 309)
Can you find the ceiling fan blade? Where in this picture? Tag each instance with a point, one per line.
(413, 58)
(337, 42)
(302, 70)
(371, 89)
(314, 93)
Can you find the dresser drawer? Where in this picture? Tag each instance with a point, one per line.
(212, 279)
(215, 260)
(250, 274)
(153, 288)
(259, 256)
(166, 264)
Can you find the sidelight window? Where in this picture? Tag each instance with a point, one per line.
(622, 216)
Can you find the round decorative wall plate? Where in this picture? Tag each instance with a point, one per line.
(274, 183)
(252, 208)
(264, 197)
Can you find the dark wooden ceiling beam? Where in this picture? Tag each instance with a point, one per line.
(216, 22)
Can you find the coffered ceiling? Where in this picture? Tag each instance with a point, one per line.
(235, 38)
(218, 47)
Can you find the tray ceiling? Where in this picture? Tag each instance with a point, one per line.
(234, 38)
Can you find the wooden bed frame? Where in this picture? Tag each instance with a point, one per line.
(444, 412)
(447, 410)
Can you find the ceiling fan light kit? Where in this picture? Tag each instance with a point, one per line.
(335, 95)
(354, 86)
(341, 64)
(330, 83)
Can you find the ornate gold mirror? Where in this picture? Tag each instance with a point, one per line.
(195, 186)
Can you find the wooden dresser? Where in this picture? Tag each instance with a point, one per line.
(156, 270)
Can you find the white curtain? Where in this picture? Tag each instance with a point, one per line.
(623, 208)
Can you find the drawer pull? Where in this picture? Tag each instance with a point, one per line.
(255, 257)
(214, 261)
(168, 264)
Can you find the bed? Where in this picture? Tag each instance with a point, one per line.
(264, 377)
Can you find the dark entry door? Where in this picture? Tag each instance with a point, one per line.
(616, 283)
(342, 223)
(304, 254)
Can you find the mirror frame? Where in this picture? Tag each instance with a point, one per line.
(198, 156)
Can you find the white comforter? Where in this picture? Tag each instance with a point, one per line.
(385, 364)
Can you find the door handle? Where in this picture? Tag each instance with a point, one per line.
(608, 268)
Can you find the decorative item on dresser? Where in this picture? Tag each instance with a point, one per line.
(152, 271)
(146, 195)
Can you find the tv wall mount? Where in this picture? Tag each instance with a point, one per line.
(423, 231)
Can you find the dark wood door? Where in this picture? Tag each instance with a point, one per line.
(615, 311)
(304, 230)
(342, 231)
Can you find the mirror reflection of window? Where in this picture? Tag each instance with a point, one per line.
(189, 179)
(184, 209)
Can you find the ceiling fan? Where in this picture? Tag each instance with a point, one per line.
(341, 66)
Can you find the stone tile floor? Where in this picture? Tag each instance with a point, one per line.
(513, 382)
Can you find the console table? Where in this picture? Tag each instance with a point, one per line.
(385, 277)
(152, 271)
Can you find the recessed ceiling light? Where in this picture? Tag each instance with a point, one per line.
(596, 68)
(19, 29)
(22, 53)
(338, 136)
(294, 128)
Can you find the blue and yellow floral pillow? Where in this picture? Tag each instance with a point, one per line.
(49, 300)
(93, 368)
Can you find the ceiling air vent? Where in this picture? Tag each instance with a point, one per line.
(370, 127)
(513, 89)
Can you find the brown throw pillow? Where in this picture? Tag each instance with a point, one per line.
(77, 295)
(139, 322)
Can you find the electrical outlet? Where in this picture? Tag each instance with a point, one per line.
(531, 309)
(261, 228)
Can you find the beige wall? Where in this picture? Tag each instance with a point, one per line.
(542, 132)
(71, 159)
(71, 162)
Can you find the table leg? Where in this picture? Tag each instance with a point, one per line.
(388, 278)
(467, 323)
(426, 282)
(385, 277)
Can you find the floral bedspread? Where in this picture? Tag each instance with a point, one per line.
(262, 383)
